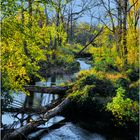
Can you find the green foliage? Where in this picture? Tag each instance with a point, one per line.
(82, 33)
(18, 65)
(122, 82)
(133, 47)
(124, 109)
(26, 43)
(105, 64)
(105, 54)
(9, 7)
(91, 84)
(30, 44)
(84, 94)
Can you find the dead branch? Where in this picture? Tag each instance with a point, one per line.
(93, 38)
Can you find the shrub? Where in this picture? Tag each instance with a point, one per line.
(124, 109)
(91, 85)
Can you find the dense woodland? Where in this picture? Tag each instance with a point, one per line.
(45, 37)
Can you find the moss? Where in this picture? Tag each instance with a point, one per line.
(90, 86)
(84, 94)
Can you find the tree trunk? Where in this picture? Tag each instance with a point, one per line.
(125, 3)
(30, 9)
(46, 14)
(119, 30)
(67, 28)
(71, 25)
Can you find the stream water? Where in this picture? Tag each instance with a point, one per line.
(69, 131)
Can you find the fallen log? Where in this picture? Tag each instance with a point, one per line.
(57, 110)
(22, 132)
(49, 90)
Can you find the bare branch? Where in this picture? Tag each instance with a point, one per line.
(93, 38)
(132, 6)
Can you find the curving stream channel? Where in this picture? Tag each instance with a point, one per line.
(69, 131)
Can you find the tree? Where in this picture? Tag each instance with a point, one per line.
(116, 18)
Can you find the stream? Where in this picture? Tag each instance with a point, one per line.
(69, 131)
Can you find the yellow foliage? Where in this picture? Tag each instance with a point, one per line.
(101, 74)
(133, 46)
(119, 62)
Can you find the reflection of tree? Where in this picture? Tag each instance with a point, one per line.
(53, 80)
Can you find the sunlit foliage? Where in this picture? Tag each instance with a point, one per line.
(124, 109)
(105, 56)
(23, 46)
(17, 66)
